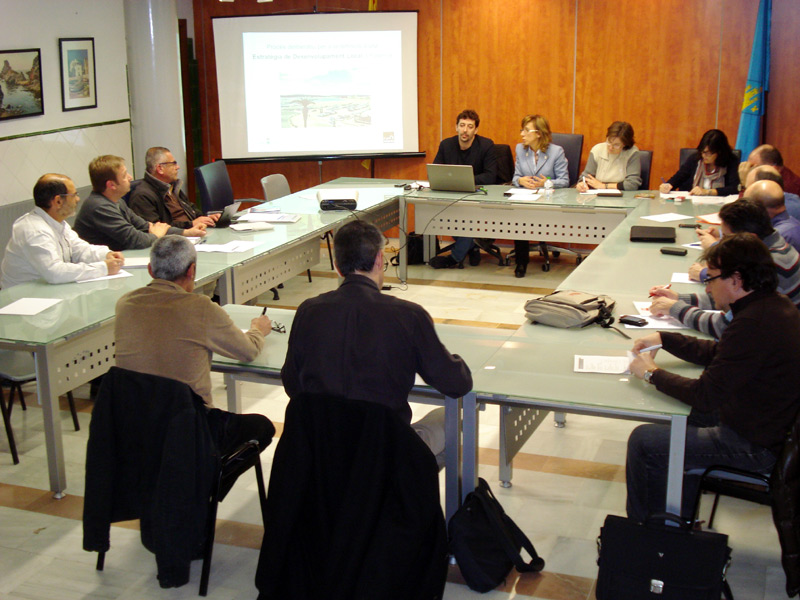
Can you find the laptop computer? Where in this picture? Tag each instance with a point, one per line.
(227, 214)
(451, 178)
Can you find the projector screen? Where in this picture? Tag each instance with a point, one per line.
(317, 84)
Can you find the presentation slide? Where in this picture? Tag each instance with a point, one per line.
(319, 84)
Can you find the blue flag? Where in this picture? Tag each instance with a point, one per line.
(757, 83)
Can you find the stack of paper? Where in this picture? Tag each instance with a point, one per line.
(268, 217)
(619, 365)
(522, 194)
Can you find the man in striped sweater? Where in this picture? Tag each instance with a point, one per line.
(697, 311)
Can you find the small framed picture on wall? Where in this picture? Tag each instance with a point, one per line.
(20, 84)
(78, 76)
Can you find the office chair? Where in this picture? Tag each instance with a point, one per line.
(685, 153)
(343, 471)
(151, 457)
(646, 161)
(572, 143)
(736, 483)
(275, 186)
(214, 185)
(18, 368)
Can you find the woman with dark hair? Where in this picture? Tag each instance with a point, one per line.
(711, 171)
(613, 164)
(538, 161)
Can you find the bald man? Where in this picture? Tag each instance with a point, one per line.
(768, 172)
(771, 195)
(769, 155)
(43, 245)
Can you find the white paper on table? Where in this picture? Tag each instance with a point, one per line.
(136, 262)
(654, 322)
(263, 217)
(711, 218)
(618, 365)
(682, 278)
(520, 194)
(667, 217)
(714, 200)
(693, 246)
(252, 226)
(423, 184)
(602, 191)
(28, 306)
(234, 246)
(677, 196)
(119, 275)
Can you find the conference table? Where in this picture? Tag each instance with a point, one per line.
(533, 371)
(73, 341)
(476, 345)
(561, 216)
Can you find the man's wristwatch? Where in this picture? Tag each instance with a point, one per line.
(648, 375)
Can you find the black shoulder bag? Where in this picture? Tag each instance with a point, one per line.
(486, 542)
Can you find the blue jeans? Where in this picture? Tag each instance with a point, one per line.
(648, 457)
(460, 248)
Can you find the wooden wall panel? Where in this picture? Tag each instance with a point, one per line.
(506, 60)
(658, 65)
(784, 93)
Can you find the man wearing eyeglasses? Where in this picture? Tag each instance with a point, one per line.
(159, 197)
(164, 329)
(748, 395)
(699, 311)
(43, 245)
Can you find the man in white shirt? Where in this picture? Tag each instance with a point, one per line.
(43, 245)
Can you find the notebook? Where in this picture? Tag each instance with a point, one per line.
(451, 178)
(647, 233)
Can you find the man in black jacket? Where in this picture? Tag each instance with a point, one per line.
(159, 197)
(466, 148)
(747, 397)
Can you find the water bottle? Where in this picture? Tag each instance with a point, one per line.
(548, 188)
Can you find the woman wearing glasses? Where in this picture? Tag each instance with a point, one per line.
(711, 171)
(538, 161)
(613, 164)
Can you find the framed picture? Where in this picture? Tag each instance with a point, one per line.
(78, 76)
(20, 84)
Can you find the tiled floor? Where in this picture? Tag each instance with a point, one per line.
(565, 482)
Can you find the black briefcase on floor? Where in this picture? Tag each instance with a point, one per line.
(657, 561)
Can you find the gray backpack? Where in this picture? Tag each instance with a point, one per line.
(568, 308)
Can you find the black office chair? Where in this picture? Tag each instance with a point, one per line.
(736, 483)
(355, 491)
(214, 185)
(151, 457)
(685, 153)
(572, 143)
(646, 161)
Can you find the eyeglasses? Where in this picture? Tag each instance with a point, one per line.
(278, 327)
(615, 145)
(172, 163)
(707, 152)
(73, 195)
(706, 280)
(524, 131)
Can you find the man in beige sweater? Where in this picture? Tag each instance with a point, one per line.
(164, 329)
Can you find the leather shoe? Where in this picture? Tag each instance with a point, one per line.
(474, 256)
(442, 262)
(519, 271)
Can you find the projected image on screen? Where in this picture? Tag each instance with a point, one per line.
(306, 85)
(325, 111)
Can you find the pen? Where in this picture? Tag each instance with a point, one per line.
(649, 348)
(663, 287)
(263, 312)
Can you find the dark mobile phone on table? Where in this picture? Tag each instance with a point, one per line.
(673, 250)
(633, 320)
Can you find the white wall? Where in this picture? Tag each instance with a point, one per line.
(39, 24)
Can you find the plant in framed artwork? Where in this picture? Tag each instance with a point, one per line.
(20, 84)
(78, 75)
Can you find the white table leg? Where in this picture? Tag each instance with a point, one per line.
(52, 426)
(677, 449)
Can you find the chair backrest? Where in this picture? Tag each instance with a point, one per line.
(505, 163)
(364, 465)
(685, 153)
(572, 143)
(275, 186)
(214, 185)
(646, 160)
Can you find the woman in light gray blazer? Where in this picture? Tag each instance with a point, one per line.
(538, 161)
